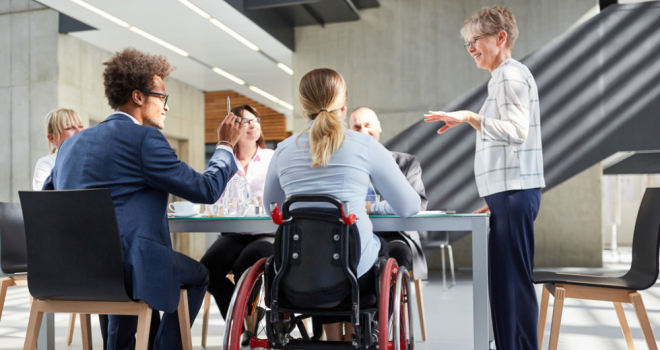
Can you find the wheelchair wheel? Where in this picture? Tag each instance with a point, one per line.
(246, 321)
(395, 321)
(403, 326)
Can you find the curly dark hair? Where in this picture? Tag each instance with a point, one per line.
(131, 70)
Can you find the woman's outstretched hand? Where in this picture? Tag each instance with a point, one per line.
(454, 118)
(451, 119)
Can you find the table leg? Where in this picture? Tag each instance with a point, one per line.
(480, 283)
(46, 340)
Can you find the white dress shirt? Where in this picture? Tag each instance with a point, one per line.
(42, 170)
(509, 154)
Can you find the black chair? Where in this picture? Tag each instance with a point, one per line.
(642, 275)
(76, 264)
(13, 257)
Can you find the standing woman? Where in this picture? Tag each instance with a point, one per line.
(508, 168)
(61, 124)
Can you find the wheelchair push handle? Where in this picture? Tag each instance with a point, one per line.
(275, 214)
(349, 219)
(343, 207)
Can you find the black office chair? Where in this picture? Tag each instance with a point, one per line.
(642, 275)
(76, 264)
(13, 255)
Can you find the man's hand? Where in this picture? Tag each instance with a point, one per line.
(230, 129)
(368, 205)
(482, 210)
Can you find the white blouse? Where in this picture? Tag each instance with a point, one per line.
(42, 170)
(509, 154)
(256, 172)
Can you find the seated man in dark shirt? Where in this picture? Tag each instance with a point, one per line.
(403, 246)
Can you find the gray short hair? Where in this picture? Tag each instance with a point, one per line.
(492, 20)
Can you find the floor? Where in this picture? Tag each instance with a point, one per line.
(585, 324)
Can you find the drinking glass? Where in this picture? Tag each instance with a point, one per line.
(235, 197)
(373, 198)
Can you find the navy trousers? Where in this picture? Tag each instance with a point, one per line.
(513, 303)
(122, 329)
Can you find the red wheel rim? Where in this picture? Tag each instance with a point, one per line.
(389, 277)
(240, 305)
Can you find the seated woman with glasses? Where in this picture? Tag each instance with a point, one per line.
(327, 158)
(237, 251)
(61, 124)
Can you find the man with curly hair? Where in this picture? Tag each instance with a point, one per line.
(128, 154)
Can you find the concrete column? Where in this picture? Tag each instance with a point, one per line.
(28, 90)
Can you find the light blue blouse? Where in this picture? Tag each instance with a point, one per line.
(347, 177)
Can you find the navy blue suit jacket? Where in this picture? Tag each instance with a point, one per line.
(140, 168)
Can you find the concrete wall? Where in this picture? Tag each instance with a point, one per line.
(407, 57)
(28, 90)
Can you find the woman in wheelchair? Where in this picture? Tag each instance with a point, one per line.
(336, 165)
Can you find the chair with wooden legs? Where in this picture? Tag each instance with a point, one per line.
(206, 310)
(76, 264)
(420, 305)
(13, 255)
(642, 275)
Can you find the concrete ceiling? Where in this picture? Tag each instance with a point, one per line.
(206, 44)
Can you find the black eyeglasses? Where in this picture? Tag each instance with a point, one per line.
(247, 121)
(166, 96)
(474, 41)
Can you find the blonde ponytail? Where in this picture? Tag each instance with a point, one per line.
(322, 95)
(325, 137)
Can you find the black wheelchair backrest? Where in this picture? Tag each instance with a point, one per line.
(316, 254)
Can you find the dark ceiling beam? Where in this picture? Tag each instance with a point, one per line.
(69, 25)
(266, 4)
(314, 15)
(350, 4)
(604, 3)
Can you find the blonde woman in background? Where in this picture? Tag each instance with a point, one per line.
(61, 124)
(326, 158)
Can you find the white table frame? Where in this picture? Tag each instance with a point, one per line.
(478, 224)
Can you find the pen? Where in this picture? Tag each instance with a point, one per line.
(228, 106)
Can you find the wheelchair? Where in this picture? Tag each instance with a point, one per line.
(313, 275)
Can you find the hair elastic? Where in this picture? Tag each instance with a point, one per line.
(322, 111)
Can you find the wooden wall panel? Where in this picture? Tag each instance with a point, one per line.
(273, 123)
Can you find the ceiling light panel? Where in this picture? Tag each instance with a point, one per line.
(234, 34)
(101, 13)
(159, 41)
(195, 8)
(228, 76)
(285, 68)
